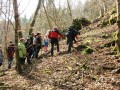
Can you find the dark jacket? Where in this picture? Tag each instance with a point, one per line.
(28, 46)
(71, 34)
(11, 50)
(38, 40)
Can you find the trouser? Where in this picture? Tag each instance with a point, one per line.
(38, 47)
(10, 60)
(0, 64)
(33, 51)
(54, 41)
(70, 45)
(28, 57)
(22, 60)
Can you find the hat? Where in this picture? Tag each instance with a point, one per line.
(32, 33)
(38, 33)
(55, 28)
(11, 42)
(21, 39)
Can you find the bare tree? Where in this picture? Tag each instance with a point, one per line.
(5, 11)
(17, 28)
(35, 16)
(50, 26)
(55, 14)
(70, 11)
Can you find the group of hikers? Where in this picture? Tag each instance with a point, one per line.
(30, 47)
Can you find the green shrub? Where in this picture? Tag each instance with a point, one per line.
(81, 47)
(2, 84)
(76, 24)
(79, 23)
(109, 18)
(114, 35)
(104, 23)
(85, 22)
(109, 44)
(87, 42)
(113, 19)
(88, 50)
(114, 10)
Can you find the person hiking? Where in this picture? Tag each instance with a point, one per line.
(10, 52)
(32, 43)
(22, 51)
(1, 56)
(38, 42)
(46, 41)
(32, 36)
(71, 36)
(28, 49)
(54, 34)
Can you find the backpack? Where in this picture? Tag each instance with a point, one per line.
(76, 32)
(70, 33)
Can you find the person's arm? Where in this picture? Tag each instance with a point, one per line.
(49, 35)
(60, 34)
(23, 50)
(76, 37)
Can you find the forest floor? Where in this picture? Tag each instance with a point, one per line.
(99, 70)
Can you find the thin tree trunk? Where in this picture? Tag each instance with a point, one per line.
(35, 16)
(70, 11)
(47, 17)
(17, 28)
(101, 10)
(5, 31)
(55, 15)
(105, 8)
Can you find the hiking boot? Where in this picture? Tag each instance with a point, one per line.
(9, 67)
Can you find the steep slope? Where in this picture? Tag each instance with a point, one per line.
(75, 71)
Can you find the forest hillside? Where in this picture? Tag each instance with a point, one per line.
(93, 64)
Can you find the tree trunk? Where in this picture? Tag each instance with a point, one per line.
(118, 22)
(105, 8)
(35, 16)
(47, 17)
(101, 8)
(17, 28)
(55, 16)
(70, 11)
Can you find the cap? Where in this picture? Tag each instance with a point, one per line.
(21, 39)
(38, 33)
(32, 33)
(11, 42)
(55, 28)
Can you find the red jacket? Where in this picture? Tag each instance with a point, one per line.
(55, 34)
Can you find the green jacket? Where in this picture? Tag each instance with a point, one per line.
(22, 50)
